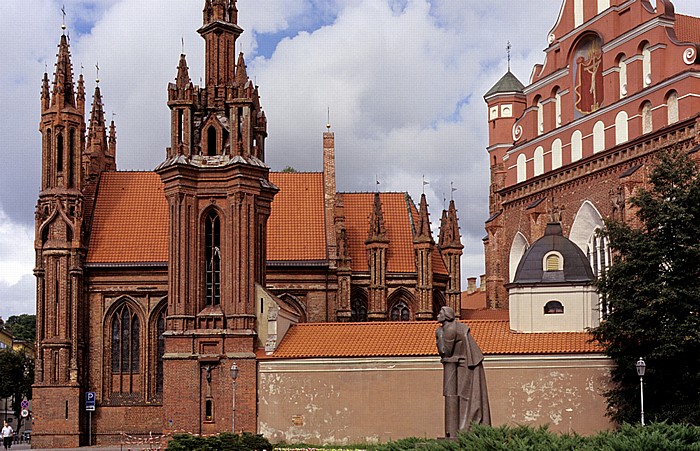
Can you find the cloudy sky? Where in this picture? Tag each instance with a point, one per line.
(403, 79)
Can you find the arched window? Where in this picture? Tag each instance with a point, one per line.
(647, 123)
(400, 312)
(211, 141)
(646, 65)
(672, 107)
(160, 350)
(553, 308)
(358, 310)
(556, 154)
(598, 137)
(212, 254)
(59, 153)
(553, 261)
(622, 77)
(621, 132)
(576, 145)
(540, 116)
(125, 352)
(521, 169)
(539, 160)
(557, 108)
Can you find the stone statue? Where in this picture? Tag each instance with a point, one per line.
(464, 380)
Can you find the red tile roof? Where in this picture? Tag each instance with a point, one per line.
(473, 300)
(405, 339)
(687, 28)
(485, 313)
(130, 223)
(295, 229)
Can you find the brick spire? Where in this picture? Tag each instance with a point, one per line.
(63, 94)
(183, 80)
(451, 250)
(423, 233)
(377, 230)
(80, 97)
(45, 93)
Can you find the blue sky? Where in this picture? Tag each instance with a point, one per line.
(403, 79)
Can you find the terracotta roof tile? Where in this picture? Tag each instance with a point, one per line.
(358, 207)
(687, 28)
(130, 223)
(485, 313)
(404, 339)
(474, 300)
(295, 229)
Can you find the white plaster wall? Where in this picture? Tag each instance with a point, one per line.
(526, 305)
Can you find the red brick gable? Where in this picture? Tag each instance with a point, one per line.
(417, 338)
(295, 228)
(130, 222)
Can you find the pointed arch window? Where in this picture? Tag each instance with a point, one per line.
(160, 351)
(59, 153)
(358, 310)
(647, 124)
(212, 141)
(400, 312)
(212, 255)
(126, 342)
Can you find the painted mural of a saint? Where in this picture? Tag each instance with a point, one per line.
(589, 76)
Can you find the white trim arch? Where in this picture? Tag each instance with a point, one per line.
(583, 233)
(517, 250)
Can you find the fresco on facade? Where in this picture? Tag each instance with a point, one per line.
(588, 75)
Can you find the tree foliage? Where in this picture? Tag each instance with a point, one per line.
(22, 327)
(653, 292)
(16, 378)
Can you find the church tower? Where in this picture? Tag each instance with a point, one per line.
(219, 195)
(60, 245)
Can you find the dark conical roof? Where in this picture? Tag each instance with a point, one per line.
(577, 269)
(507, 83)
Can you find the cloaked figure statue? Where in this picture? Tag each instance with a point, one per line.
(464, 383)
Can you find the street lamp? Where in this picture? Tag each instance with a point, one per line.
(234, 375)
(641, 368)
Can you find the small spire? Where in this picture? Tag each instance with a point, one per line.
(241, 72)
(508, 49)
(97, 137)
(80, 97)
(63, 94)
(449, 229)
(183, 76)
(45, 93)
(377, 229)
(112, 144)
(423, 230)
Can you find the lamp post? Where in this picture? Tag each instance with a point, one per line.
(641, 368)
(234, 375)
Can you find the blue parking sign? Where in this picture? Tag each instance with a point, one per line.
(90, 401)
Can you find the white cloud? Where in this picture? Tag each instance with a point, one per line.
(404, 81)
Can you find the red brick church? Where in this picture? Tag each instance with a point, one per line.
(151, 286)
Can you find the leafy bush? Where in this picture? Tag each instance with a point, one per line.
(223, 442)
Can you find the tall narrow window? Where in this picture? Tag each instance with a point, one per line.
(603, 5)
(400, 312)
(125, 341)
(212, 253)
(540, 117)
(621, 131)
(622, 68)
(71, 153)
(556, 154)
(539, 160)
(59, 153)
(521, 169)
(180, 125)
(646, 65)
(578, 12)
(576, 145)
(598, 137)
(672, 107)
(160, 351)
(647, 124)
(557, 108)
(211, 141)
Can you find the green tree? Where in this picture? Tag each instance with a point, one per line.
(289, 169)
(16, 378)
(22, 327)
(653, 293)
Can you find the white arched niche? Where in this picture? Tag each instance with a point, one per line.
(583, 233)
(517, 250)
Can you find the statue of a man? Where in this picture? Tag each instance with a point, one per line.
(464, 383)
